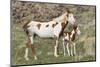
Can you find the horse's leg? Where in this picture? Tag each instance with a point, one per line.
(26, 54)
(33, 50)
(64, 47)
(67, 46)
(74, 45)
(27, 49)
(56, 47)
(32, 47)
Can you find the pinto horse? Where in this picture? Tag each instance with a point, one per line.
(69, 38)
(52, 29)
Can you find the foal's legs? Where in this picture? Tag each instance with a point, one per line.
(71, 49)
(74, 45)
(30, 45)
(55, 48)
(67, 46)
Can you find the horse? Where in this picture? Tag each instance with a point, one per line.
(52, 29)
(69, 39)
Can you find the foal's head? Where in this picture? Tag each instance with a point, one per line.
(76, 30)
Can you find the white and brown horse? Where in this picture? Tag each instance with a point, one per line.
(69, 39)
(52, 29)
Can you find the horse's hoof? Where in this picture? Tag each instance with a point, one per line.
(68, 55)
(26, 58)
(72, 55)
(35, 57)
(64, 54)
(56, 55)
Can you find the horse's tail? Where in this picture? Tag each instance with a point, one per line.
(27, 32)
(25, 26)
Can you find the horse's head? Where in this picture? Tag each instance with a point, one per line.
(71, 18)
(66, 17)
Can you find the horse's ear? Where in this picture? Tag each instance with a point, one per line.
(69, 10)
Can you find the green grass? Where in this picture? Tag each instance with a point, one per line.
(45, 49)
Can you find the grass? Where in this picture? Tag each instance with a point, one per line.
(45, 49)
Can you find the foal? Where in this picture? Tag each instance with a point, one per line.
(69, 38)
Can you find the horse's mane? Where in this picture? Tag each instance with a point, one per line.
(60, 18)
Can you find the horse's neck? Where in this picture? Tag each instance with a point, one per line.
(60, 18)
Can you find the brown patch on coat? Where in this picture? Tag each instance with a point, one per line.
(70, 33)
(53, 25)
(29, 45)
(33, 49)
(73, 37)
(38, 25)
(63, 27)
(67, 34)
(47, 25)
